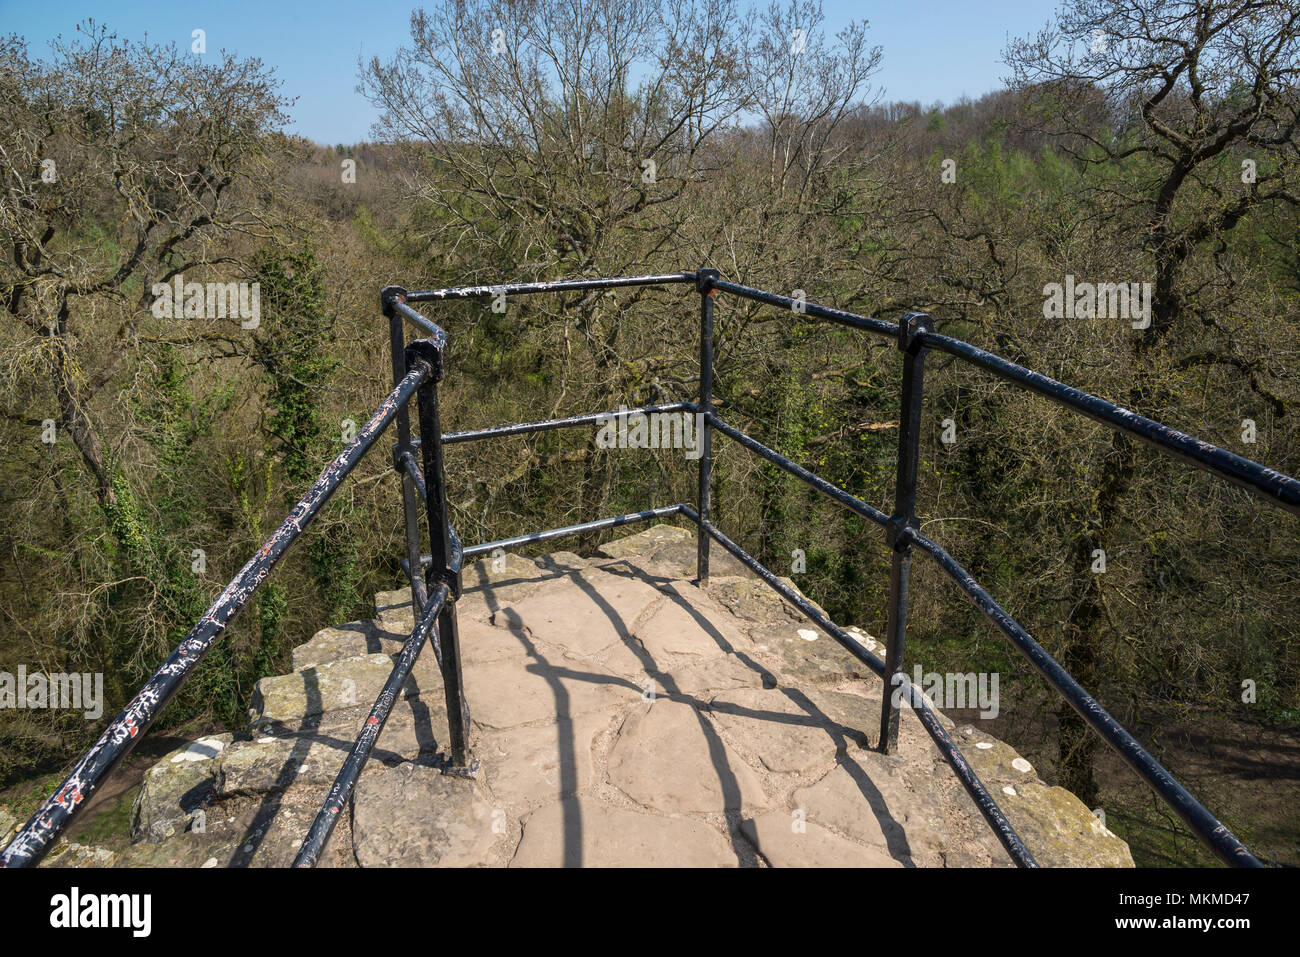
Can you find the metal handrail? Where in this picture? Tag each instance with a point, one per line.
(1274, 487)
(341, 790)
(127, 729)
(435, 577)
(915, 336)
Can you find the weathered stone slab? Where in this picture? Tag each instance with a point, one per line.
(582, 614)
(346, 641)
(345, 683)
(805, 656)
(996, 762)
(866, 798)
(858, 711)
(188, 850)
(673, 628)
(625, 659)
(416, 726)
(481, 641)
(506, 694)
(490, 585)
(1055, 825)
(276, 763)
(857, 714)
(721, 625)
(174, 789)
(271, 829)
(782, 729)
(670, 758)
(415, 816)
(528, 767)
(1059, 830)
(582, 832)
(562, 561)
(699, 678)
(70, 854)
(394, 612)
(786, 841)
(492, 572)
(264, 831)
(664, 551)
(754, 600)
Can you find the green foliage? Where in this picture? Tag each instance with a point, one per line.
(272, 608)
(210, 453)
(294, 353)
(336, 572)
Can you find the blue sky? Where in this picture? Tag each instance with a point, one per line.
(934, 49)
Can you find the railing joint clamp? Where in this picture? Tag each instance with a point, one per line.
(704, 280)
(425, 350)
(401, 449)
(910, 328)
(900, 533)
(444, 576)
(388, 295)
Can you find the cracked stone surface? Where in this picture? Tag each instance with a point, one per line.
(669, 757)
(582, 831)
(416, 816)
(663, 551)
(527, 767)
(623, 717)
(781, 730)
(323, 687)
(582, 614)
(174, 788)
(680, 624)
(506, 694)
(866, 798)
(786, 841)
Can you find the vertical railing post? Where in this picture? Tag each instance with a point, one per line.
(704, 280)
(440, 565)
(903, 523)
(397, 340)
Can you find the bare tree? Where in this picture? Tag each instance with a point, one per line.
(1185, 86)
(1187, 112)
(602, 138)
(803, 88)
(122, 163)
(546, 128)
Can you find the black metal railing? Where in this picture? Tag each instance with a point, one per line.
(435, 576)
(417, 369)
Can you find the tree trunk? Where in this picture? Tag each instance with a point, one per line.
(1085, 627)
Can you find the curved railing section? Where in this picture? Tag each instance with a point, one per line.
(435, 576)
(417, 369)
